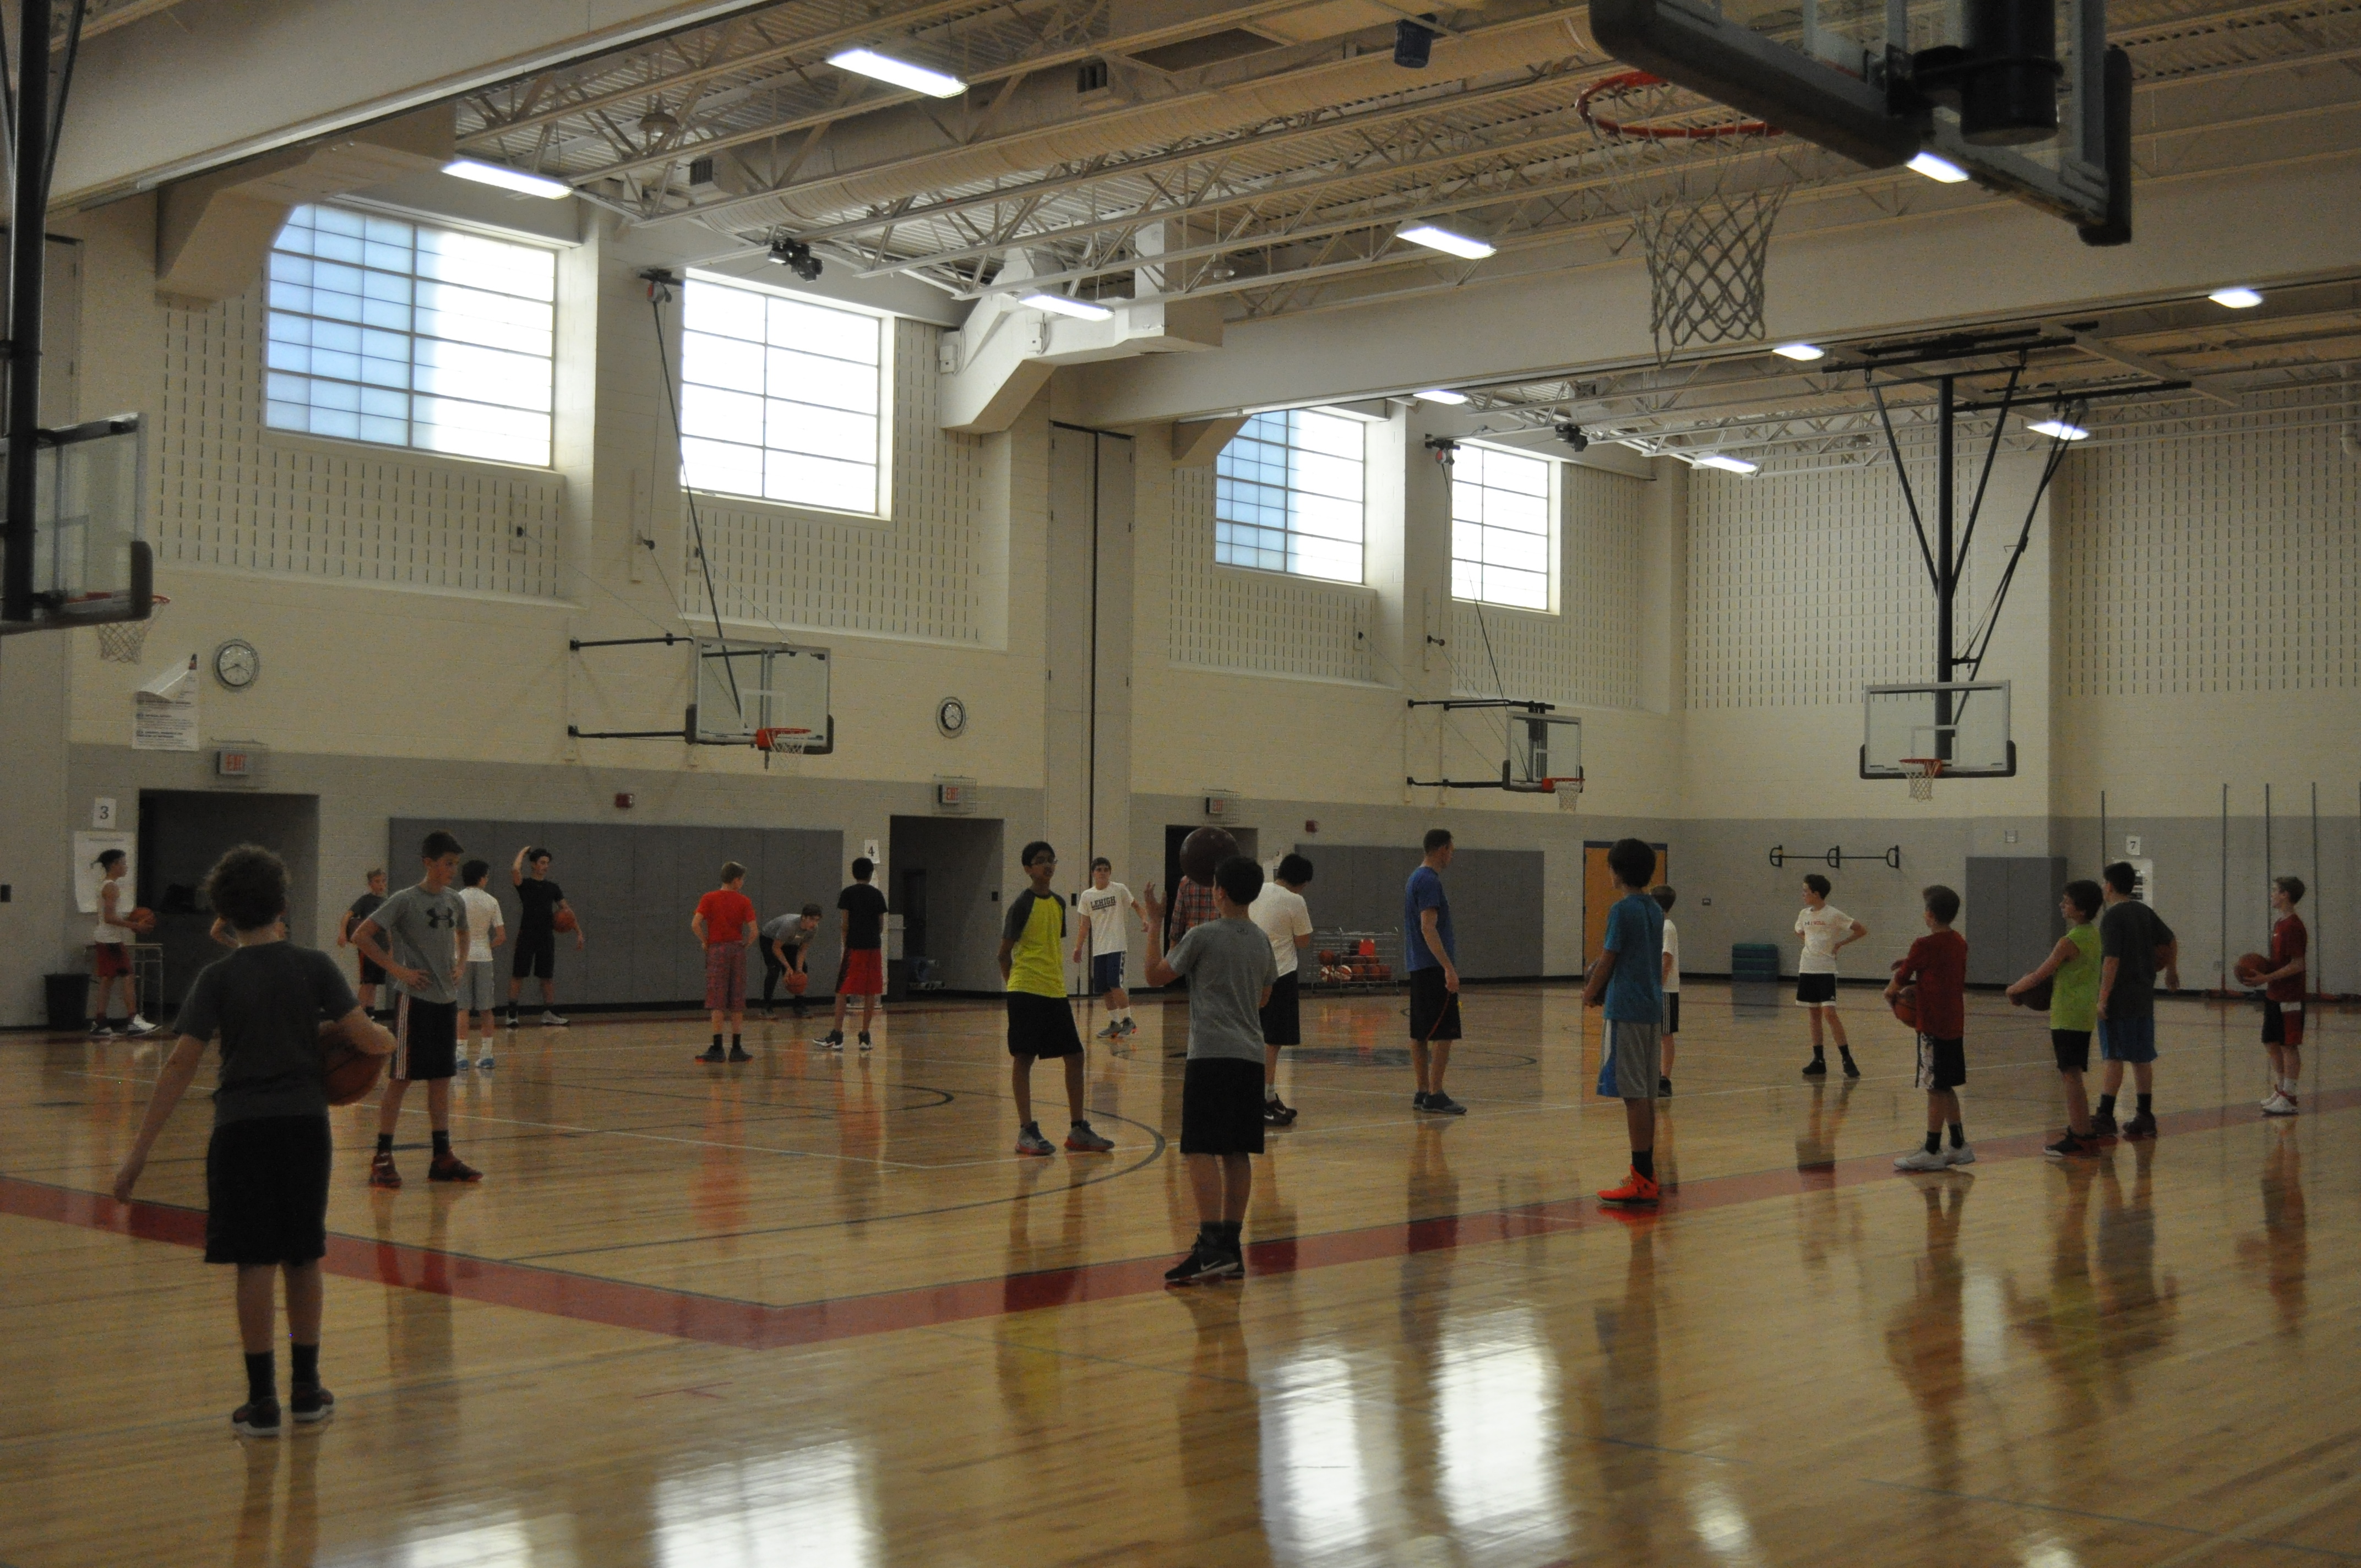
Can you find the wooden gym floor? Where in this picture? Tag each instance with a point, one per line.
(812, 1311)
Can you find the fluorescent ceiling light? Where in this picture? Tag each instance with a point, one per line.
(1728, 465)
(1444, 240)
(1440, 395)
(2239, 297)
(507, 179)
(1805, 352)
(900, 72)
(2059, 428)
(1941, 170)
(1081, 310)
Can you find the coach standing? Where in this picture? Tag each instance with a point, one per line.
(1431, 952)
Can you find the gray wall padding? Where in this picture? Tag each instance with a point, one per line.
(1496, 900)
(2011, 921)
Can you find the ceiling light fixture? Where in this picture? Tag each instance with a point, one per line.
(900, 72)
(507, 179)
(2237, 297)
(2059, 428)
(1804, 352)
(1465, 246)
(1728, 465)
(1942, 171)
(1440, 395)
(1059, 304)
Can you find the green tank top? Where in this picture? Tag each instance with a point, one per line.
(2074, 989)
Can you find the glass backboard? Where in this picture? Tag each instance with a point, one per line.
(90, 562)
(1962, 723)
(741, 688)
(1544, 746)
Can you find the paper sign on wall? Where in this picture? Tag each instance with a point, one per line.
(164, 711)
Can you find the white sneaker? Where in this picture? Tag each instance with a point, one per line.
(2278, 1104)
(1920, 1159)
(550, 1020)
(140, 1025)
(1964, 1154)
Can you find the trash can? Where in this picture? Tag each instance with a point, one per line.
(1754, 975)
(66, 995)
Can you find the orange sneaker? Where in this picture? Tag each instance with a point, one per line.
(1636, 1189)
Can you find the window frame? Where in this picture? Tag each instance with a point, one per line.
(1554, 528)
(885, 322)
(1286, 530)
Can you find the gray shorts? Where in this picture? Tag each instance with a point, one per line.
(478, 989)
(1630, 1058)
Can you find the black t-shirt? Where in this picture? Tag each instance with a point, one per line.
(864, 908)
(540, 898)
(364, 906)
(2130, 933)
(265, 1003)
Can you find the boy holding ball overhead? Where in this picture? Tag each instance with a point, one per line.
(266, 1165)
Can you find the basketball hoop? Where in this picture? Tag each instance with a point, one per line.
(120, 641)
(783, 739)
(1669, 161)
(1922, 772)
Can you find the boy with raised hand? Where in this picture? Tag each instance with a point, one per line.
(1628, 980)
(266, 1165)
(419, 937)
(2282, 986)
(1665, 898)
(2133, 945)
(1040, 1024)
(1107, 910)
(1281, 915)
(1231, 970)
(724, 923)
(861, 971)
(539, 901)
(1939, 963)
(1827, 931)
(485, 931)
(2072, 970)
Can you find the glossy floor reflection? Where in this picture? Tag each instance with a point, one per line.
(813, 1311)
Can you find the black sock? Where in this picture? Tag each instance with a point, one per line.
(385, 1143)
(2145, 1108)
(1934, 1141)
(2106, 1105)
(734, 1045)
(716, 1040)
(306, 1358)
(442, 1143)
(1644, 1162)
(1818, 1053)
(1844, 1050)
(261, 1377)
(1209, 1234)
(1959, 1136)
(1233, 1231)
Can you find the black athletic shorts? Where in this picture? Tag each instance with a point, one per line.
(1942, 1064)
(1815, 989)
(2282, 1022)
(1433, 1011)
(1671, 1013)
(535, 955)
(426, 1039)
(1041, 1026)
(2072, 1049)
(1220, 1106)
(267, 1190)
(1282, 1020)
(372, 973)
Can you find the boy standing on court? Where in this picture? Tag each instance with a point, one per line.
(540, 901)
(2133, 945)
(110, 950)
(1629, 979)
(861, 922)
(485, 931)
(2072, 970)
(1431, 953)
(419, 937)
(2283, 996)
(1939, 963)
(1827, 931)
(724, 923)
(786, 942)
(1108, 910)
(362, 908)
(1665, 898)
(1281, 915)
(266, 1165)
(1040, 1024)
(1231, 970)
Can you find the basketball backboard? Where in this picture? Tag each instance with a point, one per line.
(2023, 96)
(741, 690)
(89, 563)
(1545, 750)
(1963, 723)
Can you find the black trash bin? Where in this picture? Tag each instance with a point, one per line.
(67, 994)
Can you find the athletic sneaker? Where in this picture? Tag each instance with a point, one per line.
(834, 1040)
(740, 1053)
(865, 1043)
(1663, 1089)
(1851, 1071)
(511, 1023)
(1081, 1140)
(1131, 1025)
(1636, 1189)
(1203, 1265)
(1112, 1032)
(451, 1168)
(1441, 1104)
(1817, 1068)
(711, 1054)
(1029, 1139)
(310, 1404)
(257, 1417)
(2278, 1105)
(2103, 1124)
(1924, 1159)
(1965, 1154)
(550, 1020)
(484, 1063)
(99, 1030)
(1276, 1112)
(1418, 1100)
(381, 1172)
(2140, 1127)
(460, 1066)
(2072, 1145)
(138, 1025)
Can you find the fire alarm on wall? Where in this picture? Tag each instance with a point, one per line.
(625, 800)
(1310, 825)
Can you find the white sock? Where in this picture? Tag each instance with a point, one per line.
(1271, 1091)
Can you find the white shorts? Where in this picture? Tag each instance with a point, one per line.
(478, 989)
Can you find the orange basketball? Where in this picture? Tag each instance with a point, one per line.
(1202, 851)
(797, 982)
(350, 1073)
(563, 920)
(1905, 1006)
(2249, 965)
(142, 920)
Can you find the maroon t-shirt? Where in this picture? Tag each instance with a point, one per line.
(1939, 963)
(2289, 942)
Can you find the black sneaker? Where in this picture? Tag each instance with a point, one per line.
(312, 1404)
(866, 1044)
(2070, 1147)
(712, 1054)
(2140, 1127)
(1202, 1264)
(2102, 1124)
(1817, 1068)
(1441, 1104)
(1418, 1100)
(256, 1418)
(1663, 1088)
(1276, 1112)
(1851, 1071)
(740, 1053)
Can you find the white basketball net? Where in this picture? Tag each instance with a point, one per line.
(120, 641)
(1670, 157)
(1922, 772)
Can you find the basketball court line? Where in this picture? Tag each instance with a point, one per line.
(750, 1325)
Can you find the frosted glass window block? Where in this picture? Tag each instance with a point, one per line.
(799, 385)
(1279, 618)
(1290, 495)
(1500, 528)
(451, 333)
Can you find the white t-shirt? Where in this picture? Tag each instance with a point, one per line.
(1821, 930)
(1108, 909)
(483, 913)
(1673, 951)
(113, 934)
(1283, 917)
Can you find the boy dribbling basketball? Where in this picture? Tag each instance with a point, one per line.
(1938, 962)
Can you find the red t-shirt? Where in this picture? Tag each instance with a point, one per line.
(2289, 942)
(726, 916)
(1938, 961)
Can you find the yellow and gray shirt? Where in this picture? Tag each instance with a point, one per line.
(1036, 928)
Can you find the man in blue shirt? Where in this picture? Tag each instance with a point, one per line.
(1431, 953)
(1627, 979)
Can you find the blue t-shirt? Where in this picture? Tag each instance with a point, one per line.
(1635, 935)
(1424, 891)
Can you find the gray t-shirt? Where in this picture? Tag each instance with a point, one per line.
(265, 1003)
(1229, 966)
(418, 926)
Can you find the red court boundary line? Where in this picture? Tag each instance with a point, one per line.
(753, 1326)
